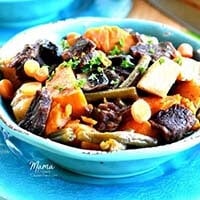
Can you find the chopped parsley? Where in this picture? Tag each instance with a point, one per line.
(79, 83)
(99, 69)
(73, 63)
(151, 50)
(117, 48)
(51, 76)
(95, 61)
(161, 61)
(115, 51)
(121, 42)
(126, 63)
(115, 82)
(59, 88)
(179, 60)
(141, 69)
(64, 44)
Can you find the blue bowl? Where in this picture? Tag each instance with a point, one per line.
(96, 163)
(25, 13)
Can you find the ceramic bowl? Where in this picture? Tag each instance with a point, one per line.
(96, 163)
(24, 13)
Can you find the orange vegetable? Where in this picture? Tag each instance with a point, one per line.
(63, 90)
(72, 37)
(143, 128)
(6, 89)
(158, 103)
(58, 117)
(107, 37)
(190, 90)
(10, 74)
(90, 146)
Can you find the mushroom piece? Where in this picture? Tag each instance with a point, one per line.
(94, 81)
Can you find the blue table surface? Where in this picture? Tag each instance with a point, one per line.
(23, 178)
(32, 176)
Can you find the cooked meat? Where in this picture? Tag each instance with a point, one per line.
(48, 54)
(174, 123)
(81, 49)
(36, 116)
(43, 51)
(154, 50)
(108, 116)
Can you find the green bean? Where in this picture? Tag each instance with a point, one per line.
(121, 93)
(139, 69)
(124, 137)
(64, 135)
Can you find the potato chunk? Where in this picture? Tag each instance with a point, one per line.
(23, 98)
(189, 70)
(160, 76)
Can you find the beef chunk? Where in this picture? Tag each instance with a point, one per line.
(82, 49)
(108, 115)
(44, 51)
(154, 50)
(174, 123)
(48, 54)
(36, 116)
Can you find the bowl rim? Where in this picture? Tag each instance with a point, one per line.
(91, 155)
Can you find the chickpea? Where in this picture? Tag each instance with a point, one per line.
(140, 111)
(186, 50)
(6, 89)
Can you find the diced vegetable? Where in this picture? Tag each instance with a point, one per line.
(160, 77)
(137, 71)
(112, 145)
(108, 38)
(6, 89)
(189, 69)
(157, 103)
(63, 90)
(59, 115)
(23, 98)
(64, 135)
(190, 90)
(72, 37)
(144, 128)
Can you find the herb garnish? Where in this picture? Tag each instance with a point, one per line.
(73, 63)
(141, 69)
(161, 60)
(126, 63)
(64, 44)
(79, 83)
(117, 48)
(59, 88)
(178, 60)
